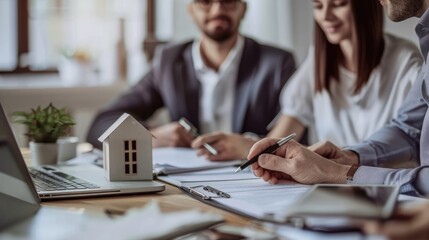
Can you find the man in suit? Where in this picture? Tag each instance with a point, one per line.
(406, 138)
(221, 81)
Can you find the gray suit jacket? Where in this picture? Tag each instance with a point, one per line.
(406, 138)
(172, 83)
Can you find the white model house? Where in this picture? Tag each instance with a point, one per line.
(127, 150)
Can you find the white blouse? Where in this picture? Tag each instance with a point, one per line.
(344, 118)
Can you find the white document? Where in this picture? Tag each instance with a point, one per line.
(256, 197)
(178, 160)
(248, 194)
(214, 175)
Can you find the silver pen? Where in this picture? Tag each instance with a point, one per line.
(193, 130)
(270, 149)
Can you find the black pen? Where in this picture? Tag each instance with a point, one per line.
(193, 130)
(270, 149)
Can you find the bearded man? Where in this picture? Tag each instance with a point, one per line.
(221, 81)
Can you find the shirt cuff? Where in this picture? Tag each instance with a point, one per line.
(370, 175)
(409, 180)
(367, 154)
(420, 182)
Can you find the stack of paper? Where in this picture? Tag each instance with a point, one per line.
(148, 223)
(178, 160)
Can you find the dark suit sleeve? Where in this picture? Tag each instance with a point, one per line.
(286, 70)
(289, 67)
(140, 101)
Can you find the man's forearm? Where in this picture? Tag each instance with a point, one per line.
(387, 145)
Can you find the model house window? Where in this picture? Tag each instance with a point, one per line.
(130, 157)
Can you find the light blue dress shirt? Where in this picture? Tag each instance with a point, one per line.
(405, 138)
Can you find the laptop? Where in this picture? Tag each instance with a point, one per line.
(57, 181)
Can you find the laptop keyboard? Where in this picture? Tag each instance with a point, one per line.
(58, 181)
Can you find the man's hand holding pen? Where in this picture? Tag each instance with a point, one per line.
(296, 162)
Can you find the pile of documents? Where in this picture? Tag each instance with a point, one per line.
(148, 223)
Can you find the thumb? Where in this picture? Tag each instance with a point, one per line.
(325, 149)
(273, 162)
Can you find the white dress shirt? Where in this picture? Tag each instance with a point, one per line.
(345, 118)
(217, 98)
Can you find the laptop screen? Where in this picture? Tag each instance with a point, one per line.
(18, 198)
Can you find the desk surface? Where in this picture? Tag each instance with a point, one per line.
(172, 199)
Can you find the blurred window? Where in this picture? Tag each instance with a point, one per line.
(36, 34)
(8, 36)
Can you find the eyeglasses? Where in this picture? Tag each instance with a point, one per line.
(226, 4)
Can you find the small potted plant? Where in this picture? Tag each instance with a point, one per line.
(44, 127)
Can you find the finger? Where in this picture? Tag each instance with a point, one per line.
(412, 228)
(273, 180)
(202, 152)
(259, 172)
(266, 176)
(280, 175)
(371, 227)
(400, 229)
(273, 162)
(255, 166)
(326, 149)
(219, 146)
(185, 137)
(207, 138)
(406, 212)
(316, 146)
(178, 141)
(260, 146)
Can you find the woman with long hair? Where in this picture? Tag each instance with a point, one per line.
(354, 78)
(352, 82)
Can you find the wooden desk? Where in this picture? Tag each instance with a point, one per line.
(172, 199)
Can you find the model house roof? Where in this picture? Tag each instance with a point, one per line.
(114, 126)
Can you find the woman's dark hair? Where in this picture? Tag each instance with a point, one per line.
(368, 45)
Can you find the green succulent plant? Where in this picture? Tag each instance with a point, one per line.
(45, 125)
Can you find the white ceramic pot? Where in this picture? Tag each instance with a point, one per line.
(43, 153)
(67, 148)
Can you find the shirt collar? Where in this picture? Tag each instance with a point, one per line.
(422, 30)
(196, 56)
(199, 64)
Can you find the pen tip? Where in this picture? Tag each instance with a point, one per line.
(237, 170)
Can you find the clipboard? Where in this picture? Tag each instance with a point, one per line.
(215, 199)
(207, 193)
(208, 199)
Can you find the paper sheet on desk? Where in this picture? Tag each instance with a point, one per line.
(148, 223)
(256, 197)
(220, 174)
(249, 195)
(92, 157)
(178, 160)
